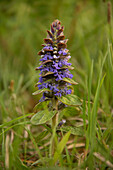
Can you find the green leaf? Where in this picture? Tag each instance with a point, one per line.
(71, 67)
(61, 146)
(46, 161)
(68, 80)
(20, 164)
(69, 111)
(42, 117)
(41, 135)
(20, 123)
(73, 130)
(14, 120)
(35, 145)
(41, 105)
(70, 99)
(40, 91)
(47, 127)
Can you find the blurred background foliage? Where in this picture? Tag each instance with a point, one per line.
(23, 25)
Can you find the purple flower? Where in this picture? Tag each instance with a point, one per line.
(54, 63)
(62, 51)
(48, 48)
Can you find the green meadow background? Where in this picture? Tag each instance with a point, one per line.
(89, 28)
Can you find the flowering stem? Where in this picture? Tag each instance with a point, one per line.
(55, 77)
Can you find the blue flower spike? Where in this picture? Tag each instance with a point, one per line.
(54, 66)
(55, 82)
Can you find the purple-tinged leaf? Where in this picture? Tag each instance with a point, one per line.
(52, 29)
(48, 41)
(61, 45)
(50, 34)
